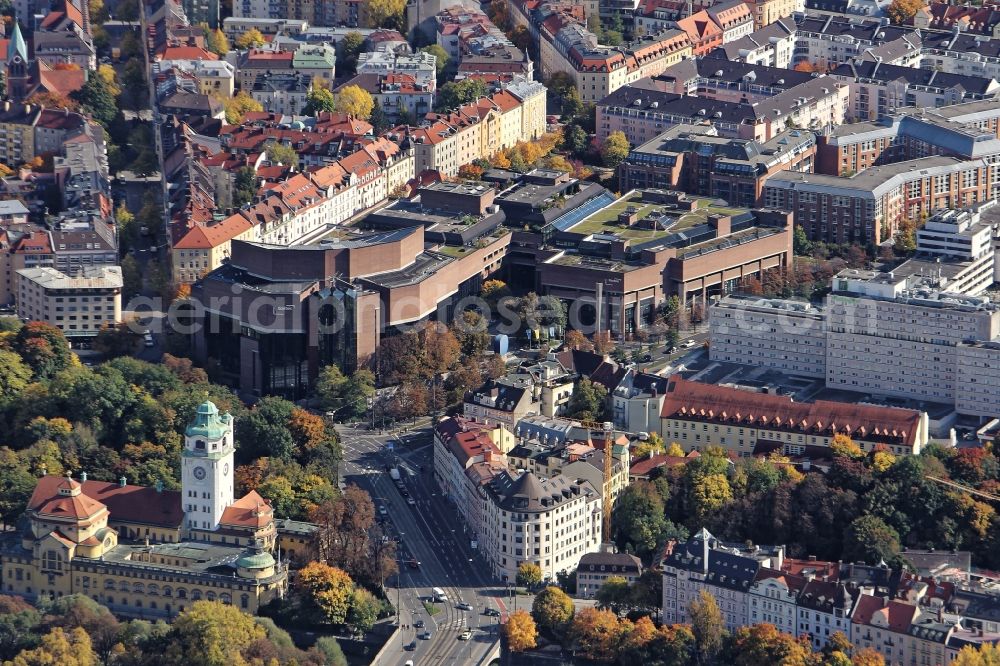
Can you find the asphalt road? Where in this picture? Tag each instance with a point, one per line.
(429, 531)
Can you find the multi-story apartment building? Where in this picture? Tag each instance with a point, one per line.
(637, 400)
(697, 415)
(967, 131)
(703, 32)
(31, 248)
(696, 160)
(733, 17)
(879, 89)
(766, 12)
(868, 207)
(772, 599)
(283, 94)
(596, 568)
(420, 65)
(477, 130)
(549, 522)
(78, 305)
(643, 111)
(398, 95)
(726, 571)
(565, 45)
(789, 336)
(502, 402)
(898, 336)
(771, 45)
(823, 609)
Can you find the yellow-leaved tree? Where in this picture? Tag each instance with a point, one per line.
(520, 631)
(354, 101)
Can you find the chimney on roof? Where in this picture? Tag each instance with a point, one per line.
(121, 481)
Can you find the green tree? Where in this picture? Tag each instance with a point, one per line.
(14, 375)
(44, 348)
(575, 140)
(870, 539)
(18, 625)
(615, 149)
(244, 186)
(17, 483)
(639, 522)
(378, 119)
(588, 401)
(97, 98)
(801, 243)
(209, 633)
(263, 432)
(319, 100)
(708, 627)
(131, 277)
(552, 611)
(441, 56)
(348, 50)
(330, 648)
(529, 574)
(613, 594)
(346, 396)
(279, 152)
(456, 93)
(364, 610)
(128, 229)
(328, 590)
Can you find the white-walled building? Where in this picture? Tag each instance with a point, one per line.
(725, 571)
(79, 305)
(549, 522)
(785, 335)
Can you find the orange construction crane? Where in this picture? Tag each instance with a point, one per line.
(609, 431)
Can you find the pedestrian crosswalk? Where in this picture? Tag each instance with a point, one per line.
(460, 623)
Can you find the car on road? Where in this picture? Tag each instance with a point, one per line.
(411, 646)
(492, 612)
(413, 564)
(646, 358)
(465, 635)
(382, 511)
(462, 605)
(687, 344)
(409, 662)
(670, 349)
(411, 501)
(426, 636)
(404, 492)
(419, 624)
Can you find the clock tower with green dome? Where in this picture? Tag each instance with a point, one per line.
(207, 468)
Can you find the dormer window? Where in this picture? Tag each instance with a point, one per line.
(199, 445)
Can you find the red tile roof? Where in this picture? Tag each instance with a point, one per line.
(187, 53)
(897, 614)
(134, 504)
(696, 401)
(47, 500)
(251, 510)
(203, 237)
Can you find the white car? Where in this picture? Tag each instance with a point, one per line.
(687, 344)
(462, 605)
(465, 635)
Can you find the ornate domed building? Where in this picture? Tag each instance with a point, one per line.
(150, 552)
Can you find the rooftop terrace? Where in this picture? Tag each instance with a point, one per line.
(605, 221)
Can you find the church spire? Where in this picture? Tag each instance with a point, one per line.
(17, 46)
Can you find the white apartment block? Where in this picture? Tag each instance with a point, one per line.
(789, 336)
(78, 305)
(772, 599)
(898, 337)
(549, 522)
(725, 571)
(421, 66)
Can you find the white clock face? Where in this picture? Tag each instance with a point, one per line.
(225, 469)
(199, 473)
